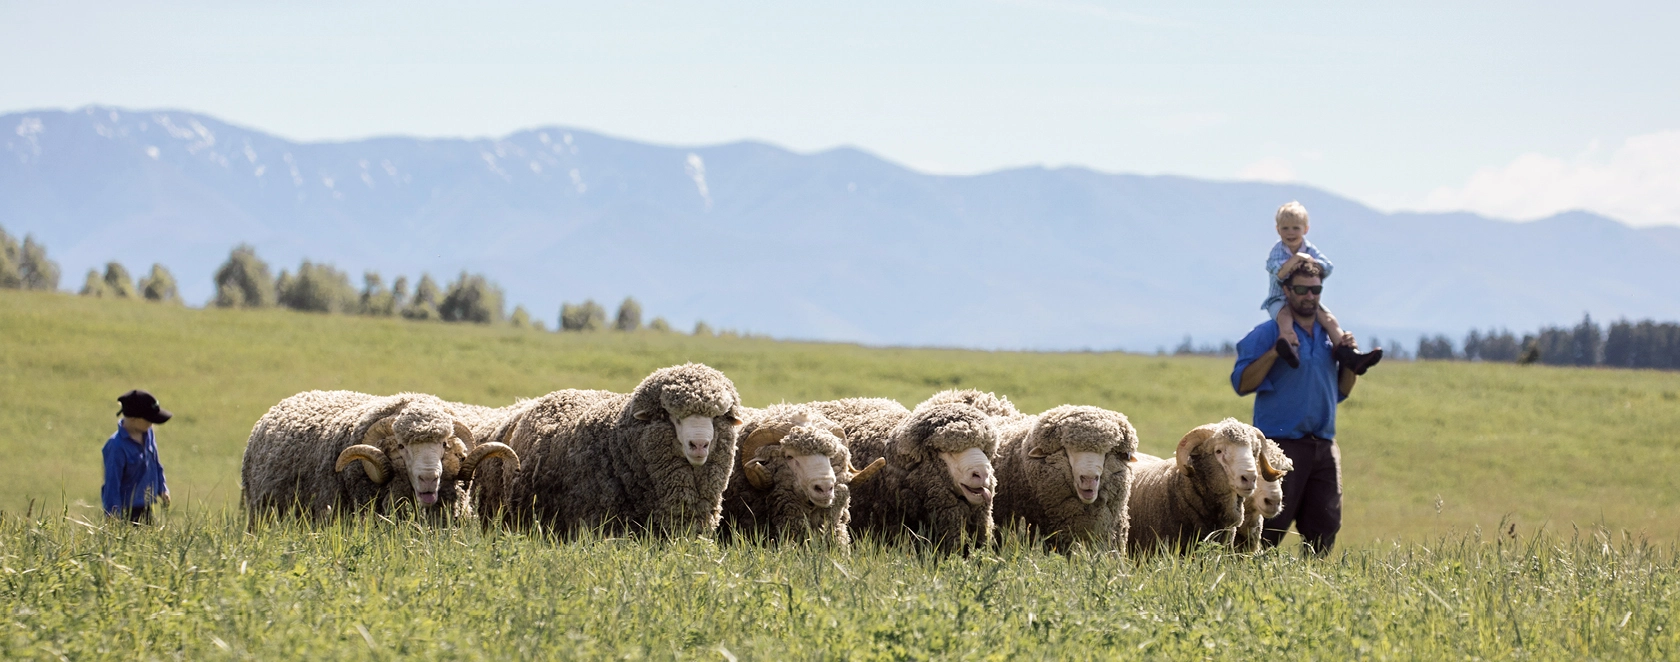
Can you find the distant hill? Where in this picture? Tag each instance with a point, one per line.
(837, 245)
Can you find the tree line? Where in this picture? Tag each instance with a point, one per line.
(1624, 344)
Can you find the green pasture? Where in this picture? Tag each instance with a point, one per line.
(1493, 512)
(200, 588)
(1429, 448)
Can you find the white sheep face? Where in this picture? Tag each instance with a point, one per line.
(1269, 498)
(815, 477)
(1238, 460)
(424, 461)
(1086, 470)
(694, 437)
(971, 475)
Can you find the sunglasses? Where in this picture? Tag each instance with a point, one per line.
(1303, 290)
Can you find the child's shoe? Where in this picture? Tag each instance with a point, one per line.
(1287, 352)
(1356, 361)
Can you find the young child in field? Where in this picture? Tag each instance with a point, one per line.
(1291, 249)
(133, 474)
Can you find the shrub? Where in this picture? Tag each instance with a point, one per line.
(586, 316)
(472, 298)
(659, 324)
(317, 288)
(424, 306)
(629, 316)
(94, 286)
(118, 282)
(159, 285)
(244, 281)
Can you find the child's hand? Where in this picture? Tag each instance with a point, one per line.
(164, 499)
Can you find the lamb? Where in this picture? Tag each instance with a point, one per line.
(655, 460)
(1267, 499)
(1066, 474)
(1176, 503)
(794, 478)
(936, 485)
(299, 456)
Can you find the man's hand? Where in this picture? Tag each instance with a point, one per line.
(164, 499)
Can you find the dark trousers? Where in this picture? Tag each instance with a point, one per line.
(137, 516)
(1312, 494)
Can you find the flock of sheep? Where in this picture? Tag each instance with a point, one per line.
(680, 454)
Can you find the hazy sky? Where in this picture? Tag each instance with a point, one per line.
(1516, 110)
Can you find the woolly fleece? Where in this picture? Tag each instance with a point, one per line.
(1179, 506)
(782, 511)
(1039, 493)
(289, 458)
(588, 460)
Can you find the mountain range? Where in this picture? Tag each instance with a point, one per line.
(834, 245)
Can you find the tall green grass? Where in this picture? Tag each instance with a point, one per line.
(1429, 449)
(199, 587)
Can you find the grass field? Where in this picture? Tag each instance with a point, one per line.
(1493, 511)
(1430, 449)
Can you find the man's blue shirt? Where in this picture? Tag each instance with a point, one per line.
(133, 474)
(1291, 403)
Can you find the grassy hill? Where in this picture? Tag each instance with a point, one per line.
(1431, 450)
(1428, 448)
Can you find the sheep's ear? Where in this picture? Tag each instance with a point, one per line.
(758, 475)
(1191, 442)
(734, 417)
(647, 411)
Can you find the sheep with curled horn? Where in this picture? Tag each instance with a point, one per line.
(490, 425)
(654, 460)
(1267, 500)
(320, 453)
(1196, 495)
(794, 478)
(936, 485)
(1066, 475)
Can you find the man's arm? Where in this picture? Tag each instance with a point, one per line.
(110, 495)
(1256, 372)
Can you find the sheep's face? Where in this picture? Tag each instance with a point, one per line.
(694, 437)
(1085, 469)
(971, 474)
(813, 476)
(1236, 457)
(1268, 496)
(424, 462)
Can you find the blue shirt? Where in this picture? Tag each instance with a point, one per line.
(1281, 254)
(133, 474)
(1291, 403)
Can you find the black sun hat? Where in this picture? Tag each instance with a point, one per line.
(140, 404)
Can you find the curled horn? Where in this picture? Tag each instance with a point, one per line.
(464, 433)
(484, 452)
(1191, 440)
(373, 460)
(759, 438)
(1267, 473)
(859, 476)
(758, 475)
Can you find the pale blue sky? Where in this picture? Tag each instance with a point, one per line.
(1512, 109)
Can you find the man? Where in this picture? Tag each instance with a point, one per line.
(133, 473)
(1297, 409)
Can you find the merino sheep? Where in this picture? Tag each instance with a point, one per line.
(490, 424)
(1267, 499)
(299, 455)
(654, 460)
(1179, 502)
(936, 485)
(1066, 474)
(794, 477)
(992, 404)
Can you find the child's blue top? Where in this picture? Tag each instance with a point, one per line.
(1281, 254)
(133, 474)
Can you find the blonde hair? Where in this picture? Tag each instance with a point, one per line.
(1292, 211)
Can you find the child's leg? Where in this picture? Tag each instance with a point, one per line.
(1332, 328)
(1286, 326)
